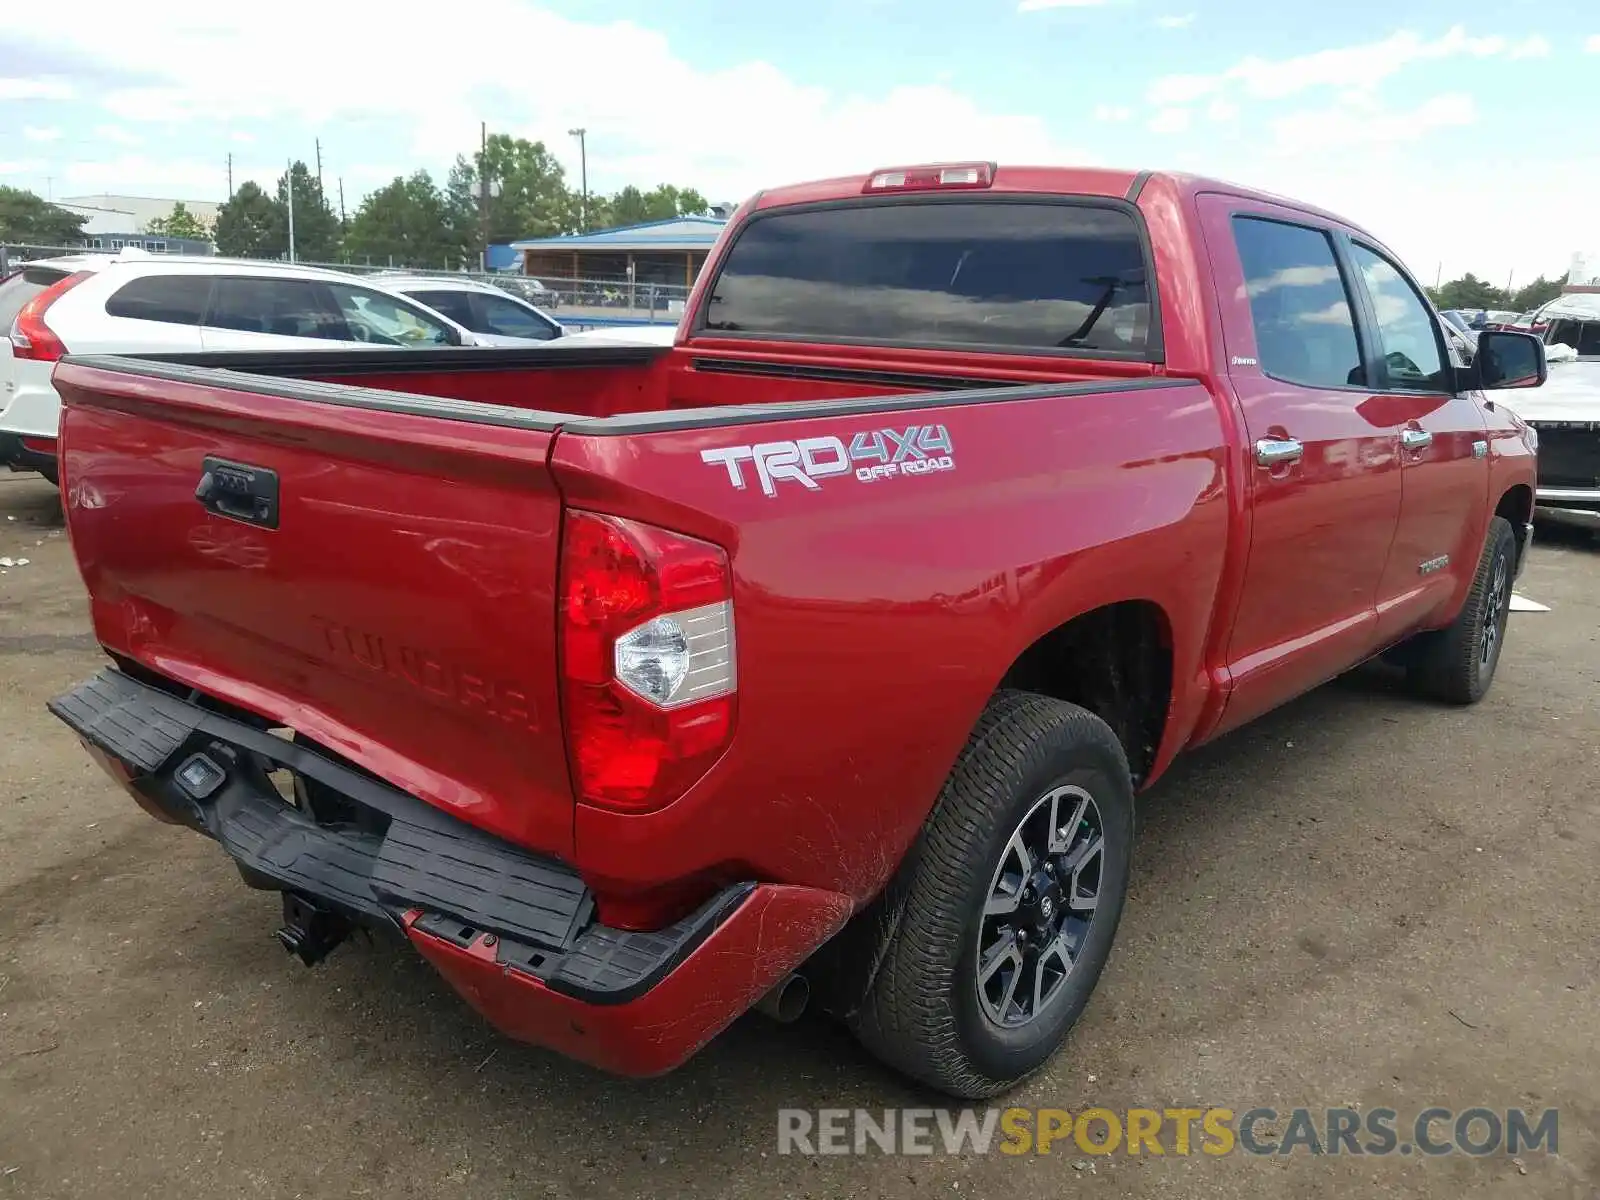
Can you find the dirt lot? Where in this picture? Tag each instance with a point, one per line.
(1362, 900)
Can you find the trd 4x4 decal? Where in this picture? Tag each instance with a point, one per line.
(872, 455)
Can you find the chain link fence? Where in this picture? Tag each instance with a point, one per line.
(581, 301)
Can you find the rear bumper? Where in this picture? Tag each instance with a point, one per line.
(1568, 499)
(513, 932)
(23, 452)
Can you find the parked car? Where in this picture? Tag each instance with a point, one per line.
(1459, 321)
(626, 335)
(133, 302)
(1566, 411)
(823, 651)
(498, 318)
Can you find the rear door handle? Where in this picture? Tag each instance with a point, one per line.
(1416, 439)
(1276, 452)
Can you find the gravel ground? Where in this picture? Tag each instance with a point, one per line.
(1360, 900)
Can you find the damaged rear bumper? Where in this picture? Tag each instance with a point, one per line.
(514, 932)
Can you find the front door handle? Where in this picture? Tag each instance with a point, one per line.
(1276, 452)
(1416, 439)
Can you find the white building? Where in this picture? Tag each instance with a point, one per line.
(1585, 270)
(109, 214)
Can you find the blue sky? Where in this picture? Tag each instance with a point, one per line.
(1462, 133)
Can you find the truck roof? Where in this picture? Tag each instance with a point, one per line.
(1114, 182)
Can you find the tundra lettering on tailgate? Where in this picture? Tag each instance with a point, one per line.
(427, 673)
(871, 455)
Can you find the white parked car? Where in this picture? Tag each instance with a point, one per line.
(625, 335)
(135, 302)
(496, 316)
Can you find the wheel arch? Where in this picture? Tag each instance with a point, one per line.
(1116, 661)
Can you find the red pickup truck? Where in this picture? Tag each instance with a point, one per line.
(826, 648)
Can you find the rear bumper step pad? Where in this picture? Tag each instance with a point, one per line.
(464, 882)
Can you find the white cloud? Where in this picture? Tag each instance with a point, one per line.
(117, 135)
(35, 89)
(1041, 5)
(23, 167)
(1170, 120)
(1534, 46)
(47, 133)
(1112, 112)
(241, 137)
(769, 126)
(1176, 22)
(1331, 128)
(1358, 68)
(1592, 46)
(1222, 110)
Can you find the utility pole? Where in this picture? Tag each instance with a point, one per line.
(341, 200)
(230, 174)
(319, 162)
(483, 194)
(583, 174)
(288, 187)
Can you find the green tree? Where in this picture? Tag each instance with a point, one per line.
(528, 193)
(406, 221)
(179, 223)
(631, 206)
(1540, 291)
(461, 209)
(1470, 292)
(252, 225)
(26, 218)
(316, 225)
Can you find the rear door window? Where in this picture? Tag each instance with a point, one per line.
(1304, 323)
(1039, 276)
(170, 299)
(283, 307)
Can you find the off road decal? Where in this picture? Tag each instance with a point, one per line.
(871, 456)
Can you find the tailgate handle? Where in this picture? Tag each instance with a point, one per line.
(240, 492)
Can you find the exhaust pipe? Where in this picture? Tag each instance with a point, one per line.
(787, 1001)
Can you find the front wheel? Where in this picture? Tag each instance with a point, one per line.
(1457, 664)
(1008, 902)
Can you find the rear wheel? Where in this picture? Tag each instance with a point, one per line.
(1007, 904)
(1457, 664)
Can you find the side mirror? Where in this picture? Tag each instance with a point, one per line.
(1508, 359)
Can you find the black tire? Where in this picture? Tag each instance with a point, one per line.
(1457, 664)
(922, 1013)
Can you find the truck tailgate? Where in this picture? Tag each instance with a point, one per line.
(373, 571)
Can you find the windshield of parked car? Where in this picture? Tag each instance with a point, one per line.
(376, 317)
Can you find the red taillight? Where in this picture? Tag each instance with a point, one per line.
(932, 176)
(39, 445)
(647, 659)
(31, 338)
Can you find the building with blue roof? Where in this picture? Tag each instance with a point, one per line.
(667, 252)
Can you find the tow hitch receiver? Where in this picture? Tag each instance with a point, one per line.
(310, 931)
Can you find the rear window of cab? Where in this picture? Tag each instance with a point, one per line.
(1046, 276)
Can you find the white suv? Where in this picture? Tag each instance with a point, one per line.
(136, 303)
